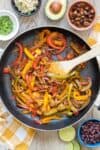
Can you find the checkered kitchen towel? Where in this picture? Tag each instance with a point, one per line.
(15, 135)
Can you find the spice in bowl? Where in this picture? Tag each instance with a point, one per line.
(6, 25)
(81, 15)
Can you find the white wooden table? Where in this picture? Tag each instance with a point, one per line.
(48, 140)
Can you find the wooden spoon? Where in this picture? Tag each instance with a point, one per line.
(62, 68)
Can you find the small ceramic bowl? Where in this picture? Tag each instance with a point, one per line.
(15, 25)
(72, 24)
(25, 14)
(80, 135)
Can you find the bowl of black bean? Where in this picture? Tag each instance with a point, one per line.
(81, 15)
(89, 133)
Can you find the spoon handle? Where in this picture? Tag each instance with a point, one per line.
(95, 51)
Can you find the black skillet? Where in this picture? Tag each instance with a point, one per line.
(92, 70)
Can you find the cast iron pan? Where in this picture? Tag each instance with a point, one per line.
(92, 70)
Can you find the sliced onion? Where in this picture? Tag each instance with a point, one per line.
(88, 86)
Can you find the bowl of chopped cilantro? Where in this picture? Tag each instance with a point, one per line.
(9, 25)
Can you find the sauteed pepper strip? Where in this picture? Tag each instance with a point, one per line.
(46, 107)
(26, 68)
(69, 97)
(57, 41)
(76, 48)
(48, 119)
(80, 97)
(6, 70)
(28, 53)
(20, 48)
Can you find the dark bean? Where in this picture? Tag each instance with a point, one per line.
(92, 11)
(75, 12)
(77, 19)
(85, 12)
(81, 21)
(87, 8)
(83, 17)
(90, 20)
(90, 16)
(86, 23)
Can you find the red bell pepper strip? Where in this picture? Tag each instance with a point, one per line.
(57, 41)
(20, 48)
(36, 62)
(6, 70)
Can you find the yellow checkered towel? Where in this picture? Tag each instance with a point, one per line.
(13, 133)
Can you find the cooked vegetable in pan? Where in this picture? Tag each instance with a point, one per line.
(40, 95)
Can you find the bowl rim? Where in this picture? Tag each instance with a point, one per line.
(71, 24)
(79, 135)
(14, 20)
(25, 14)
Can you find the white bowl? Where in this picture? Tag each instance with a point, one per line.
(15, 25)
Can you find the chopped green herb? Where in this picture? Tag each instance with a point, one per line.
(6, 25)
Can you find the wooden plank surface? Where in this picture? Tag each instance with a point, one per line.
(48, 140)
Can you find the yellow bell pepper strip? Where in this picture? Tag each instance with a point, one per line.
(61, 107)
(67, 112)
(26, 96)
(80, 97)
(48, 119)
(68, 99)
(26, 68)
(32, 82)
(46, 102)
(51, 112)
(89, 92)
(38, 51)
(28, 53)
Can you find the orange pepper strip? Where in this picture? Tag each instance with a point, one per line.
(27, 68)
(48, 119)
(46, 102)
(84, 97)
(28, 53)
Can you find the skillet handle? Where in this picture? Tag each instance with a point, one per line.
(1, 51)
(97, 102)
